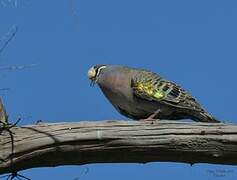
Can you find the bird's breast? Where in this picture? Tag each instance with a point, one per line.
(117, 88)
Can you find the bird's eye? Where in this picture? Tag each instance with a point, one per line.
(96, 71)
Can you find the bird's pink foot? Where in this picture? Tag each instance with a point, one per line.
(151, 118)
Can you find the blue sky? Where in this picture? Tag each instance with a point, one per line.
(190, 42)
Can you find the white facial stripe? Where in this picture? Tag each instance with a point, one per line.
(99, 69)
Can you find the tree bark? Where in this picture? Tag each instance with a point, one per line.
(54, 144)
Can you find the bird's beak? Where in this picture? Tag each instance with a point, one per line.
(92, 84)
(92, 76)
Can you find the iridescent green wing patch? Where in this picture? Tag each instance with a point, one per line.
(159, 95)
(148, 91)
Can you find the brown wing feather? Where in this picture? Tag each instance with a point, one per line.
(150, 86)
(180, 98)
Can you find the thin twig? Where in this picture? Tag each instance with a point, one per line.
(75, 13)
(12, 35)
(17, 67)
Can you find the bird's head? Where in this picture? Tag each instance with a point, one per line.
(94, 73)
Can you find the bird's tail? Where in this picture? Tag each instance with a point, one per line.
(205, 117)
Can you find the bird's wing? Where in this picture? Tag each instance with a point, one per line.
(152, 87)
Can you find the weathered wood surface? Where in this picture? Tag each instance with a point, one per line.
(45, 145)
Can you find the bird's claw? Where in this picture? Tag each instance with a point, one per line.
(152, 116)
(148, 120)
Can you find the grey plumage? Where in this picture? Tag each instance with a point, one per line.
(140, 94)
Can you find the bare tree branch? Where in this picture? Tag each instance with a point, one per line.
(45, 145)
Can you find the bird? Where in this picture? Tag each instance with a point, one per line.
(140, 94)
